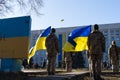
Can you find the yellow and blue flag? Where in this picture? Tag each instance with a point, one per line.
(62, 20)
(77, 39)
(40, 43)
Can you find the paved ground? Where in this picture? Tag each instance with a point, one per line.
(76, 74)
(61, 74)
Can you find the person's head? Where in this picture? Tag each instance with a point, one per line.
(53, 30)
(113, 43)
(96, 27)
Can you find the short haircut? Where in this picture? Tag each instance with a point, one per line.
(96, 27)
(53, 30)
(113, 42)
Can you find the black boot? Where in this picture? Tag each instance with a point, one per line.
(95, 77)
(99, 78)
(49, 73)
(52, 73)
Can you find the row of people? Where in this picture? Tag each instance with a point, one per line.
(96, 48)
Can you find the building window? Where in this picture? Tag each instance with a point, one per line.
(112, 32)
(105, 33)
(118, 44)
(117, 38)
(112, 38)
(117, 32)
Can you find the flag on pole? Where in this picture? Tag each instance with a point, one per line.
(62, 20)
(77, 39)
(40, 43)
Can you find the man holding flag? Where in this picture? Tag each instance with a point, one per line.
(40, 43)
(77, 41)
(52, 45)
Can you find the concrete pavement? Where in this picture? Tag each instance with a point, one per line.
(61, 74)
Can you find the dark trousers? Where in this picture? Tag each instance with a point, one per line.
(51, 65)
(96, 65)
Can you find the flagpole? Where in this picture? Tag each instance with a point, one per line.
(91, 76)
(90, 68)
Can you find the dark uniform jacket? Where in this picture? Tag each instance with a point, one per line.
(52, 44)
(113, 52)
(96, 43)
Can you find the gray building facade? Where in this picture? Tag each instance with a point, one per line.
(111, 32)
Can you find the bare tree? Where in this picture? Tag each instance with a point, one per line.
(7, 6)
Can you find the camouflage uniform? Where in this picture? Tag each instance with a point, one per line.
(52, 45)
(96, 46)
(113, 52)
(68, 61)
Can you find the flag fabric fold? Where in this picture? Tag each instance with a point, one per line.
(77, 39)
(40, 43)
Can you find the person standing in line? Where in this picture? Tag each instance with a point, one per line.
(113, 52)
(52, 45)
(96, 48)
(68, 61)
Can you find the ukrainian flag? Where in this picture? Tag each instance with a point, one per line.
(77, 40)
(40, 43)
